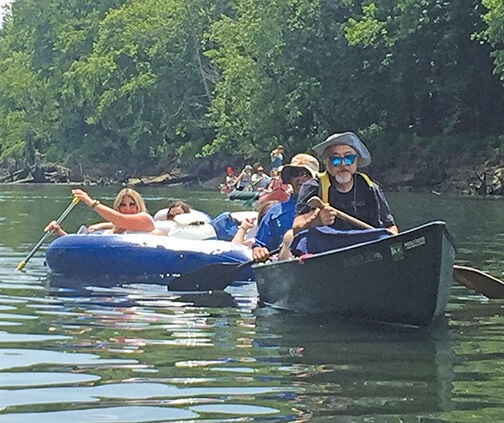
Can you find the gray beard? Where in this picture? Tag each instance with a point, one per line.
(344, 178)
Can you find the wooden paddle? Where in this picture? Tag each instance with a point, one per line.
(479, 281)
(317, 202)
(213, 277)
(47, 234)
(469, 277)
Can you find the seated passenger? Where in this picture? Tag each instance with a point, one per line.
(248, 227)
(278, 220)
(260, 179)
(341, 187)
(176, 208)
(243, 182)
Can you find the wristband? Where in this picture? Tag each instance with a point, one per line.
(95, 203)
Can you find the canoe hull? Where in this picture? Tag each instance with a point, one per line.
(145, 257)
(244, 195)
(403, 279)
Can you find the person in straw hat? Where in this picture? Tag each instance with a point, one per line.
(280, 216)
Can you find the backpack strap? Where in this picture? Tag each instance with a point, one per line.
(366, 178)
(325, 183)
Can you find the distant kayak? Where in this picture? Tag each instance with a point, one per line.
(244, 195)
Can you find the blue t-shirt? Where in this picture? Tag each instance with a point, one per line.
(276, 161)
(277, 220)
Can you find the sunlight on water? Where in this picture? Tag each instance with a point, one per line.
(104, 415)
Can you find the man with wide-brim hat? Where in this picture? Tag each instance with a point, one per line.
(279, 218)
(342, 187)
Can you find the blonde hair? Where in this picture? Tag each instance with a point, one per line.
(137, 198)
(128, 192)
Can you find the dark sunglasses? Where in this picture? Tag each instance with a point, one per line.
(132, 204)
(299, 173)
(348, 160)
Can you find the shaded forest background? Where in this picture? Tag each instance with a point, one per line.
(142, 87)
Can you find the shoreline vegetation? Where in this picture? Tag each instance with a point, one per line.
(418, 173)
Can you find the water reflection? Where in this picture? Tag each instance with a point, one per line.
(354, 369)
(118, 333)
(140, 353)
(104, 415)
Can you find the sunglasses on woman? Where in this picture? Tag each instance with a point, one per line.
(299, 173)
(132, 204)
(347, 160)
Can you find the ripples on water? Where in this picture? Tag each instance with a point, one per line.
(141, 354)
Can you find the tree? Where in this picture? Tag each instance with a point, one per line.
(494, 33)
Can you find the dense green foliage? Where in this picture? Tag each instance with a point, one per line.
(135, 83)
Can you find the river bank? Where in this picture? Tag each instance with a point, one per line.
(419, 173)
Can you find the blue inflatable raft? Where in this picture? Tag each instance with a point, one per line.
(137, 257)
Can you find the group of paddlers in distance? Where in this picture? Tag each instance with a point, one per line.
(256, 180)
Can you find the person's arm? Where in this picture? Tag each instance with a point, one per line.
(244, 227)
(316, 217)
(306, 220)
(260, 250)
(134, 222)
(55, 229)
(102, 226)
(306, 216)
(386, 218)
(238, 179)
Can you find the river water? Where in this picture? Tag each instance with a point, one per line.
(140, 354)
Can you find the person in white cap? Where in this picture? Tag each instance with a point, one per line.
(344, 188)
(278, 219)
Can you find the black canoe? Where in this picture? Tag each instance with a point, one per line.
(403, 279)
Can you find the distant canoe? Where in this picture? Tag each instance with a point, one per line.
(279, 194)
(244, 195)
(403, 279)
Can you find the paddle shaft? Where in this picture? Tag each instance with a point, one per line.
(48, 234)
(318, 203)
(211, 277)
